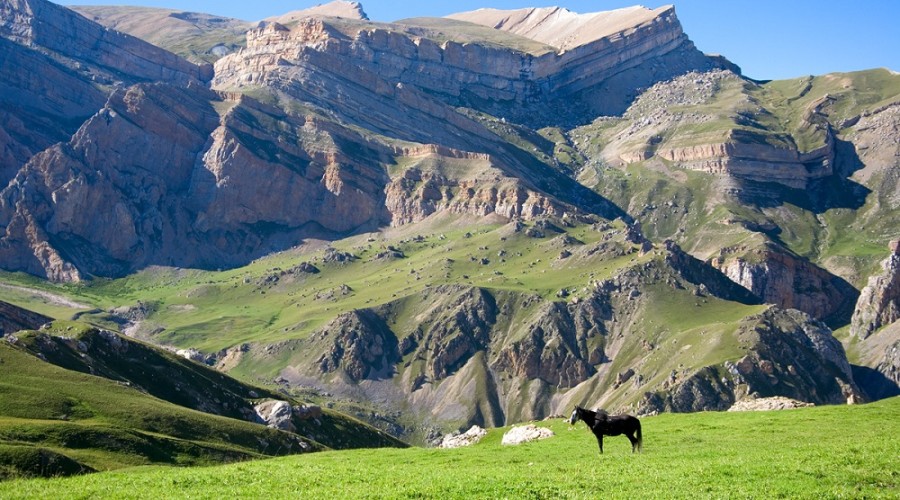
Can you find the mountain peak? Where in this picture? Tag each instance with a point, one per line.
(337, 8)
(561, 27)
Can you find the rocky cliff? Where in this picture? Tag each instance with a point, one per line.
(783, 346)
(879, 301)
(788, 281)
(500, 79)
(723, 130)
(231, 178)
(106, 56)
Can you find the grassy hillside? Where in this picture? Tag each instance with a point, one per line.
(847, 451)
(102, 424)
(268, 301)
(191, 35)
(842, 222)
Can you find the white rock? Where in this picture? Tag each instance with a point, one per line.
(765, 404)
(524, 434)
(275, 414)
(468, 438)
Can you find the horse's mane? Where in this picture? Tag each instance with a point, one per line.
(600, 413)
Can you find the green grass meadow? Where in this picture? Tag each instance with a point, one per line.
(824, 452)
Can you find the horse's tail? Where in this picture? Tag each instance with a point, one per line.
(640, 440)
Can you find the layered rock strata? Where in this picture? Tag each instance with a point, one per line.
(475, 75)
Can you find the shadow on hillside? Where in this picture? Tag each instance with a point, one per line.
(821, 195)
(874, 383)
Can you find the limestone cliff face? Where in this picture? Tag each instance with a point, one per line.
(125, 162)
(416, 194)
(778, 277)
(757, 162)
(498, 79)
(58, 69)
(879, 301)
(41, 102)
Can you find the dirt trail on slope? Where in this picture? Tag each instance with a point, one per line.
(49, 297)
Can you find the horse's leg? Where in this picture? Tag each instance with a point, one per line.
(600, 442)
(634, 441)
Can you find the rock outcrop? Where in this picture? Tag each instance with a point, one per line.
(779, 277)
(525, 434)
(468, 438)
(172, 162)
(784, 346)
(361, 346)
(879, 301)
(768, 404)
(107, 56)
(474, 356)
(471, 74)
(275, 414)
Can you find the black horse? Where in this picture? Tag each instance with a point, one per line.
(604, 424)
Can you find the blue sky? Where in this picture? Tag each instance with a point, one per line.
(768, 39)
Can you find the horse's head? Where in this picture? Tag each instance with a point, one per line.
(574, 417)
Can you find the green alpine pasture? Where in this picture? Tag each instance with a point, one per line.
(824, 452)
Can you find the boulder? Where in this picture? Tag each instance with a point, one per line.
(766, 404)
(275, 414)
(524, 434)
(468, 438)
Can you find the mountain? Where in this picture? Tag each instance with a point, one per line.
(431, 223)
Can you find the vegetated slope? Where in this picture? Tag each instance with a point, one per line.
(174, 378)
(811, 451)
(486, 324)
(56, 421)
(195, 36)
(788, 205)
(13, 319)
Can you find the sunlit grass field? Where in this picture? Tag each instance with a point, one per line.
(825, 452)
